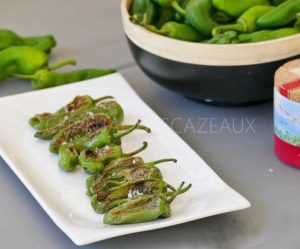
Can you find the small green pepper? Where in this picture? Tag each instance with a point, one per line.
(265, 35)
(45, 122)
(170, 3)
(277, 2)
(198, 14)
(221, 17)
(178, 31)
(93, 161)
(143, 12)
(246, 23)
(21, 60)
(297, 23)
(9, 38)
(228, 37)
(68, 158)
(166, 15)
(101, 202)
(235, 8)
(282, 15)
(45, 78)
(79, 128)
(142, 208)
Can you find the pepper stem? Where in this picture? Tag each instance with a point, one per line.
(139, 127)
(230, 27)
(96, 101)
(153, 163)
(126, 132)
(145, 145)
(178, 8)
(25, 77)
(61, 64)
(180, 190)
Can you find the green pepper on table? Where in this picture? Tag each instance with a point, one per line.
(246, 23)
(235, 8)
(9, 38)
(143, 208)
(280, 16)
(94, 160)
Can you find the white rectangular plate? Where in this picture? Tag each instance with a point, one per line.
(62, 195)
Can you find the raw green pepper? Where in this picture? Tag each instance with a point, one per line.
(68, 158)
(178, 31)
(9, 38)
(166, 15)
(228, 37)
(74, 110)
(282, 15)
(143, 208)
(277, 2)
(79, 128)
(246, 23)
(143, 12)
(102, 201)
(297, 23)
(170, 3)
(221, 17)
(93, 161)
(265, 35)
(198, 14)
(45, 78)
(21, 60)
(235, 8)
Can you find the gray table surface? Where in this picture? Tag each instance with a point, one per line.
(91, 32)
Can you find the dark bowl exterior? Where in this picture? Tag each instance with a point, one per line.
(223, 85)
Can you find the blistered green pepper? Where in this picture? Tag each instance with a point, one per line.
(142, 208)
(235, 8)
(21, 60)
(102, 201)
(228, 37)
(68, 158)
(179, 31)
(143, 11)
(265, 35)
(198, 14)
(79, 128)
(93, 161)
(282, 15)
(9, 38)
(122, 170)
(246, 23)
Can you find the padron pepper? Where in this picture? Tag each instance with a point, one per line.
(9, 38)
(79, 128)
(45, 78)
(198, 14)
(143, 208)
(105, 200)
(143, 12)
(228, 37)
(235, 8)
(21, 60)
(179, 31)
(282, 15)
(70, 112)
(94, 160)
(125, 169)
(170, 3)
(265, 35)
(97, 139)
(166, 15)
(68, 158)
(246, 23)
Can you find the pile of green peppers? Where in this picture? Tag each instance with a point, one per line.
(218, 21)
(86, 133)
(28, 58)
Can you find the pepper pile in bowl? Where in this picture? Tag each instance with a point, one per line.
(218, 21)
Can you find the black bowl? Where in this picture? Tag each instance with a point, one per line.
(222, 74)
